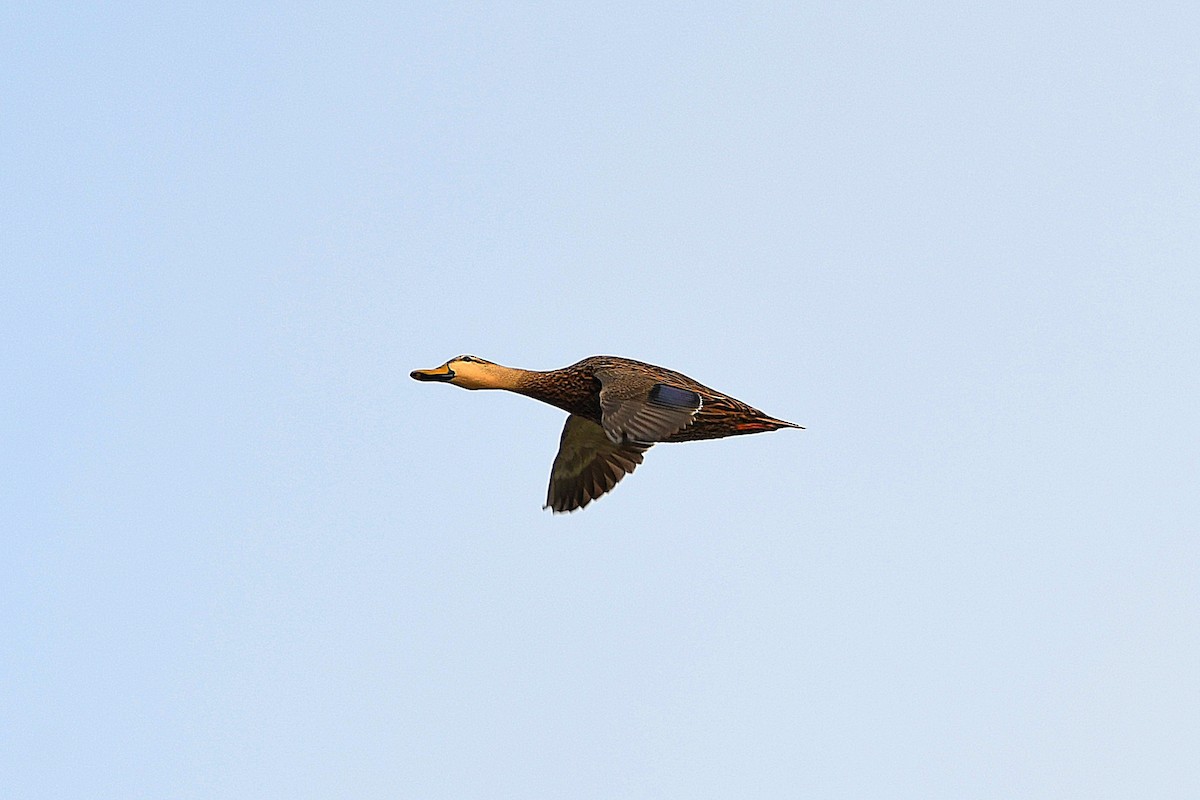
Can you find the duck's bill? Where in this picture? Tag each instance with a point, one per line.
(442, 373)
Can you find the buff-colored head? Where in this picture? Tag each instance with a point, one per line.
(469, 372)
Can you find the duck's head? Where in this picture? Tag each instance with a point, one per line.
(469, 372)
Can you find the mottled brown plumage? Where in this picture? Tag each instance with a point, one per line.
(618, 409)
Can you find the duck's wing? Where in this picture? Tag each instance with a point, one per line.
(641, 408)
(588, 465)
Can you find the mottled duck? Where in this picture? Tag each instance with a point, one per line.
(618, 409)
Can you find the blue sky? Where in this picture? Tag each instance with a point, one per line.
(246, 556)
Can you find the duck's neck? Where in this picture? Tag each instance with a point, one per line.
(493, 376)
(531, 383)
(561, 388)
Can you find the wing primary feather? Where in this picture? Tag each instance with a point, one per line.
(588, 465)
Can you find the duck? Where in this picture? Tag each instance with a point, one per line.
(617, 409)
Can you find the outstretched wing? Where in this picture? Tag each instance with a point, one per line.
(641, 409)
(588, 465)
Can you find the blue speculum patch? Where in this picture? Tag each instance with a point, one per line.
(665, 395)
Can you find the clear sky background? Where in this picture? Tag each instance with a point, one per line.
(245, 556)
